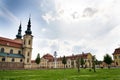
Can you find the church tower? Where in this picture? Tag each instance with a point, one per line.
(27, 46)
(19, 35)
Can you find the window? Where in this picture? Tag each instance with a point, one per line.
(116, 63)
(13, 60)
(88, 61)
(2, 50)
(3, 59)
(29, 42)
(21, 60)
(19, 52)
(69, 66)
(24, 42)
(115, 57)
(27, 59)
(28, 53)
(11, 51)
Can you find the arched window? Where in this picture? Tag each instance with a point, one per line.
(2, 50)
(21, 60)
(29, 42)
(116, 63)
(11, 51)
(19, 52)
(28, 54)
(3, 59)
(28, 60)
(13, 60)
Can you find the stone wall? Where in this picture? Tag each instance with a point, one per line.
(11, 65)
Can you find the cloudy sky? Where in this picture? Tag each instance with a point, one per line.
(66, 26)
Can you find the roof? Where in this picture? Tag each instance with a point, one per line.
(11, 55)
(48, 56)
(117, 51)
(73, 57)
(83, 55)
(10, 42)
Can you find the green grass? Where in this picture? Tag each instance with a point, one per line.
(60, 74)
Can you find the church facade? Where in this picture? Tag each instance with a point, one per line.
(16, 53)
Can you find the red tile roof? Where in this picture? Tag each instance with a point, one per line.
(117, 51)
(48, 57)
(10, 42)
(83, 55)
(73, 57)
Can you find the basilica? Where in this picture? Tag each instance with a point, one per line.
(16, 53)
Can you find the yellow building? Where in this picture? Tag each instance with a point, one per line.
(16, 53)
(116, 56)
(47, 61)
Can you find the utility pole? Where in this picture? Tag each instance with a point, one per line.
(55, 59)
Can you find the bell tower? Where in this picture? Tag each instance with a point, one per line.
(19, 35)
(27, 46)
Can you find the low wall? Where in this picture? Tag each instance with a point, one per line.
(11, 65)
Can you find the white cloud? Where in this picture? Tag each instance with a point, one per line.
(69, 32)
(83, 26)
(48, 17)
(89, 12)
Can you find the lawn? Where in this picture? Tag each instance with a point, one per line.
(60, 74)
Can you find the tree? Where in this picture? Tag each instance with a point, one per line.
(98, 62)
(78, 64)
(72, 63)
(93, 63)
(107, 60)
(37, 60)
(64, 61)
(82, 62)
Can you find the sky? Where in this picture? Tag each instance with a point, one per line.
(65, 26)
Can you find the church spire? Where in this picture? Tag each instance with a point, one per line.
(19, 36)
(28, 31)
